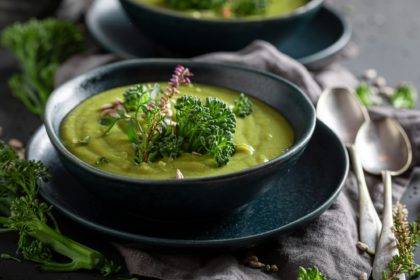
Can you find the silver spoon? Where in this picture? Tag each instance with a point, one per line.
(385, 149)
(340, 109)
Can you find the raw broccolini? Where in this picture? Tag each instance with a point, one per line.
(40, 47)
(310, 274)
(39, 236)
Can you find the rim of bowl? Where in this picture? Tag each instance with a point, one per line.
(311, 5)
(56, 141)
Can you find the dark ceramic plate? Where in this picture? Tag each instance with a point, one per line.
(314, 183)
(315, 45)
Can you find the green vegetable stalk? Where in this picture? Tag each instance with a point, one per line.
(39, 236)
(40, 47)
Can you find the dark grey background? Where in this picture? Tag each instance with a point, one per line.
(387, 33)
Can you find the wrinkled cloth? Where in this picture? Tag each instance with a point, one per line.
(329, 242)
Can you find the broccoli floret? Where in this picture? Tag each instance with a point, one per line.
(250, 7)
(405, 96)
(23, 213)
(40, 47)
(242, 106)
(195, 4)
(206, 128)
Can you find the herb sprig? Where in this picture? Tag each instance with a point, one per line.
(407, 239)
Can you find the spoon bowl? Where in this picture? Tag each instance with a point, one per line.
(340, 109)
(384, 145)
(385, 149)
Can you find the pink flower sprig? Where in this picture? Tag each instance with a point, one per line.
(181, 76)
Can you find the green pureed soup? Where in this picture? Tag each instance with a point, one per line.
(264, 131)
(274, 8)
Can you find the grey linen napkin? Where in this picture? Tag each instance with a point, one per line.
(329, 242)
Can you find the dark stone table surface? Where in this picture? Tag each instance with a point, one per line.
(387, 33)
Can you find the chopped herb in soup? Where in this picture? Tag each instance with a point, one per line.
(174, 130)
(229, 9)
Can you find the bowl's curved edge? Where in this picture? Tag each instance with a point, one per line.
(170, 182)
(322, 58)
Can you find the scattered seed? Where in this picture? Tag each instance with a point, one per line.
(250, 258)
(179, 174)
(379, 82)
(245, 148)
(362, 246)
(274, 268)
(386, 91)
(15, 143)
(105, 107)
(255, 264)
(370, 74)
(363, 276)
(117, 102)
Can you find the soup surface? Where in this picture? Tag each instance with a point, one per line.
(265, 130)
(275, 8)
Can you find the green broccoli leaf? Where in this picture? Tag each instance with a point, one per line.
(405, 96)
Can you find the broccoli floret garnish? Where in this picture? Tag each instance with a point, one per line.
(365, 95)
(40, 47)
(242, 106)
(206, 128)
(195, 4)
(250, 7)
(22, 212)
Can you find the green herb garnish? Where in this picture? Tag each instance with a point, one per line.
(242, 106)
(405, 96)
(407, 238)
(22, 212)
(40, 47)
(197, 127)
(310, 274)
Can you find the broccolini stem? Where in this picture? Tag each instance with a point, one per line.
(82, 257)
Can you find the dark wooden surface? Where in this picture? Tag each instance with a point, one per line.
(386, 31)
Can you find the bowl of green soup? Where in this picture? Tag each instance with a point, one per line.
(191, 27)
(177, 140)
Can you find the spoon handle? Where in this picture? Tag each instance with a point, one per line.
(387, 246)
(369, 223)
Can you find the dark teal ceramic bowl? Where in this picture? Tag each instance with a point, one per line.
(190, 36)
(186, 199)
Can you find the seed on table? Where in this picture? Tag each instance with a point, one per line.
(386, 91)
(274, 268)
(15, 143)
(370, 74)
(362, 246)
(379, 82)
(251, 258)
(363, 276)
(256, 264)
